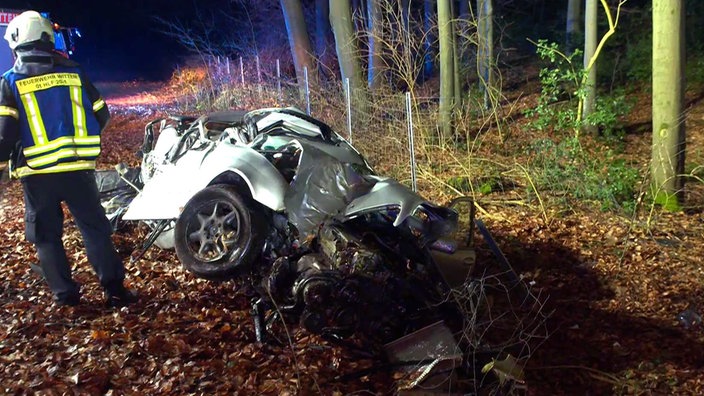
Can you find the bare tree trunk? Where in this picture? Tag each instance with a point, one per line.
(429, 56)
(358, 15)
(572, 26)
(300, 42)
(374, 29)
(405, 13)
(590, 43)
(668, 154)
(447, 74)
(456, 84)
(485, 56)
(464, 9)
(345, 43)
(356, 7)
(322, 26)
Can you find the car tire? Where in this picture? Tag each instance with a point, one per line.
(220, 234)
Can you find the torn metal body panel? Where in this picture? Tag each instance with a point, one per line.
(168, 190)
(278, 198)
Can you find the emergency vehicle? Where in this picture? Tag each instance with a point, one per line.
(64, 38)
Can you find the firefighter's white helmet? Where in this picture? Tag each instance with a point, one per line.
(28, 27)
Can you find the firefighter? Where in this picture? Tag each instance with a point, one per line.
(52, 116)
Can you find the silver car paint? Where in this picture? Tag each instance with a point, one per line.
(386, 192)
(174, 184)
(170, 189)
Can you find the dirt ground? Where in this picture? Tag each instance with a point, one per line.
(624, 295)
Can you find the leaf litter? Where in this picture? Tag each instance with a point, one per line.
(625, 299)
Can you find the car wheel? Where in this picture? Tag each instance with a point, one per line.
(219, 234)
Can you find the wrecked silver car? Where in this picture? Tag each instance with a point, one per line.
(278, 193)
(277, 197)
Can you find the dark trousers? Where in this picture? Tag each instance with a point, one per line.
(44, 218)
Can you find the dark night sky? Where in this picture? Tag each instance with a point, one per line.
(119, 39)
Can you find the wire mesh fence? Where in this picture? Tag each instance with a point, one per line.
(398, 131)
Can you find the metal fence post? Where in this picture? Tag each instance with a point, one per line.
(411, 146)
(259, 76)
(241, 71)
(305, 76)
(278, 79)
(227, 64)
(349, 109)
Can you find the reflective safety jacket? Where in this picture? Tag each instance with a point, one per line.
(56, 119)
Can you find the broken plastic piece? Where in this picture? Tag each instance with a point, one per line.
(433, 348)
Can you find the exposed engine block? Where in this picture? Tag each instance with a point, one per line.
(344, 288)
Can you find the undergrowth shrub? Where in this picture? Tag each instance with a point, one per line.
(559, 84)
(565, 167)
(609, 112)
(560, 90)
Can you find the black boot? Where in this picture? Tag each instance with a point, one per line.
(120, 297)
(71, 300)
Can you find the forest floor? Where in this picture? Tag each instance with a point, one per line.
(616, 287)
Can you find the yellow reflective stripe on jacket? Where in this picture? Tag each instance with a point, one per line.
(9, 111)
(69, 152)
(65, 167)
(79, 115)
(98, 104)
(46, 81)
(62, 141)
(27, 88)
(36, 124)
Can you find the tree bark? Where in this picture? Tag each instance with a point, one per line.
(429, 56)
(572, 26)
(668, 153)
(485, 56)
(322, 26)
(447, 74)
(405, 13)
(300, 42)
(464, 10)
(456, 83)
(345, 43)
(374, 28)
